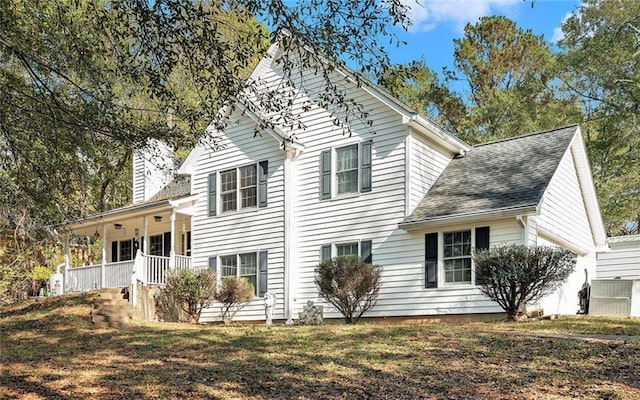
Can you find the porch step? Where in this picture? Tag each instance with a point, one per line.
(111, 308)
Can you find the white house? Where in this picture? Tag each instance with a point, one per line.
(622, 261)
(403, 193)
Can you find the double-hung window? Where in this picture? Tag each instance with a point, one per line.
(457, 257)
(360, 248)
(240, 188)
(448, 256)
(250, 266)
(345, 170)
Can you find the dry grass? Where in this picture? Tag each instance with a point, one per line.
(50, 351)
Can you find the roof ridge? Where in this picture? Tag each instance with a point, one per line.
(525, 135)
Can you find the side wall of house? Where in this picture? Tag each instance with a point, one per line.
(426, 162)
(247, 230)
(563, 222)
(562, 211)
(623, 261)
(403, 292)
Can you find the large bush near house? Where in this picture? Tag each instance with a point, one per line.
(349, 284)
(233, 294)
(514, 276)
(192, 290)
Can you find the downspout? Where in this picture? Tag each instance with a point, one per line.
(289, 236)
(523, 225)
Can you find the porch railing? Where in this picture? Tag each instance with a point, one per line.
(182, 262)
(155, 269)
(82, 279)
(150, 270)
(118, 274)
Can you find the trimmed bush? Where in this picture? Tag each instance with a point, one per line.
(234, 293)
(192, 290)
(349, 284)
(515, 275)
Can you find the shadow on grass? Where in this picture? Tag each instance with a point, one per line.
(60, 356)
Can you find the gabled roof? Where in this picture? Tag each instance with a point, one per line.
(508, 176)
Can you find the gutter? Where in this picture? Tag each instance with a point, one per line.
(468, 217)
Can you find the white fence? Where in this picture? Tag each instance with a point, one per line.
(155, 270)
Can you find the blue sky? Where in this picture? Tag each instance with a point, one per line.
(437, 22)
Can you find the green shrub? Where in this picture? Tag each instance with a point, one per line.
(192, 289)
(516, 275)
(349, 284)
(234, 293)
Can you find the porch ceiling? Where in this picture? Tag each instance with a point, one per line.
(123, 224)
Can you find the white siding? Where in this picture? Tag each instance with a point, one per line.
(565, 299)
(427, 161)
(247, 230)
(562, 211)
(623, 261)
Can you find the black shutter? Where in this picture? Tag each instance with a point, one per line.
(212, 194)
(365, 166)
(114, 251)
(325, 175)
(262, 273)
(188, 250)
(482, 243)
(365, 251)
(166, 244)
(142, 246)
(325, 252)
(431, 260)
(212, 262)
(263, 171)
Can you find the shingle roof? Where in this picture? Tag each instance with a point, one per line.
(180, 186)
(503, 175)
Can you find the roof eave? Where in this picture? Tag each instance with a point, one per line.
(468, 217)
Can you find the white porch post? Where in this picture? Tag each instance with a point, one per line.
(103, 264)
(66, 263)
(172, 251)
(145, 234)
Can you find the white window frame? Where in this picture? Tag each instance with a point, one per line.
(238, 189)
(238, 267)
(350, 243)
(442, 282)
(334, 170)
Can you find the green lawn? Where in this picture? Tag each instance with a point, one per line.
(49, 350)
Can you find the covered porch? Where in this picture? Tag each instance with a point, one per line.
(137, 243)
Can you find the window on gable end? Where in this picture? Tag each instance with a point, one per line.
(242, 187)
(349, 173)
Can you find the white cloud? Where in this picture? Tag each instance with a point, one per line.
(426, 14)
(558, 35)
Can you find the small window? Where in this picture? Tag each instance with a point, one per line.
(347, 249)
(347, 169)
(248, 186)
(239, 188)
(229, 266)
(457, 257)
(249, 268)
(156, 246)
(126, 250)
(228, 190)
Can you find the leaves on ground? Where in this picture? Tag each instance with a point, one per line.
(51, 351)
